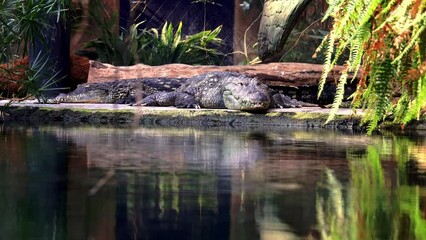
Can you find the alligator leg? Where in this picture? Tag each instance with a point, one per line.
(184, 100)
(280, 100)
(180, 100)
(283, 101)
(158, 99)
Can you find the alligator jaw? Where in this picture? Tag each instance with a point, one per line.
(254, 107)
(236, 103)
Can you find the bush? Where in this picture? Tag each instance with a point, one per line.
(23, 21)
(152, 48)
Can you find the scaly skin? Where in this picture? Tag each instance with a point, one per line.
(212, 90)
(222, 90)
(119, 91)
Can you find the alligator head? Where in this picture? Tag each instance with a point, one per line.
(82, 95)
(246, 94)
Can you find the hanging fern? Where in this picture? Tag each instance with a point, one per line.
(340, 91)
(385, 38)
(357, 50)
(383, 72)
(418, 103)
(329, 42)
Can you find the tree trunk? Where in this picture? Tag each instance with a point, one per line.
(278, 20)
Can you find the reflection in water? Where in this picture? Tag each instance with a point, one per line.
(378, 204)
(141, 183)
(33, 185)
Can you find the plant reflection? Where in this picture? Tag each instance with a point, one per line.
(378, 202)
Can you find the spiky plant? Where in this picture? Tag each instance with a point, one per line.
(386, 40)
(154, 47)
(21, 23)
(171, 47)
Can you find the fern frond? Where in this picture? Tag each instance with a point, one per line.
(342, 26)
(418, 103)
(332, 6)
(356, 49)
(322, 45)
(382, 77)
(338, 98)
(388, 7)
(413, 41)
(381, 82)
(327, 62)
(397, 13)
(419, 20)
(401, 108)
(373, 124)
(339, 49)
(368, 13)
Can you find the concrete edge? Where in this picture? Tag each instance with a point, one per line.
(313, 117)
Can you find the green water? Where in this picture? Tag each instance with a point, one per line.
(86, 182)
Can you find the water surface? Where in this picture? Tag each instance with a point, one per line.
(86, 182)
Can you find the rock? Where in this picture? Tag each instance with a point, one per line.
(12, 75)
(273, 74)
(79, 69)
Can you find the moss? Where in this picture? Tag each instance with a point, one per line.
(177, 117)
(310, 115)
(85, 110)
(172, 117)
(273, 114)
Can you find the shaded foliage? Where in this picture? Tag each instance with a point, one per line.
(21, 22)
(151, 46)
(172, 47)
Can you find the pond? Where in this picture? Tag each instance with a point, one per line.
(88, 182)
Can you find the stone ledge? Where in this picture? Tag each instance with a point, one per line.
(313, 117)
(117, 114)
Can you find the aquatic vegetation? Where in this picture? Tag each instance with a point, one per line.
(386, 41)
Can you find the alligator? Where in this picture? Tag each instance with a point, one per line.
(211, 90)
(229, 90)
(119, 91)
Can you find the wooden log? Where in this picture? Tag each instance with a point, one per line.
(273, 74)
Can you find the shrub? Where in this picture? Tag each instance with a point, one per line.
(152, 48)
(21, 22)
(170, 47)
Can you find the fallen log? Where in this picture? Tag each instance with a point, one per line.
(283, 74)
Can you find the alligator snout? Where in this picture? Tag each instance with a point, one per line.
(248, 98)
